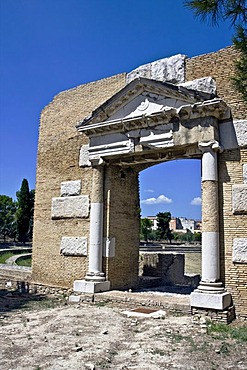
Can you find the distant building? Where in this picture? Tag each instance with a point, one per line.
(181, 224)
(154, 221)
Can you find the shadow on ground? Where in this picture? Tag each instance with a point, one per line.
(13, 300)
(174, 289)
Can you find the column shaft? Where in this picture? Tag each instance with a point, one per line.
(210, 220)
(96, 227)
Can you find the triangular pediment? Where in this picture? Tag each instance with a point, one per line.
(149, 116)
(142, 97)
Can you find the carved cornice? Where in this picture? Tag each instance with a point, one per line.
(210, 108)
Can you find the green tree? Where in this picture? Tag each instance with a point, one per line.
(23, 213)
(236, 12)
(7, 217)
(146, 228)
(32, 198)
(163, 219)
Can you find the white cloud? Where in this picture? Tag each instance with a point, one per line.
(149, 191)
(197, 201)
(161, 199)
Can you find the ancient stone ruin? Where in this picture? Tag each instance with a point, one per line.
(96, 138)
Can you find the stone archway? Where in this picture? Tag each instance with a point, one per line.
(150, 122)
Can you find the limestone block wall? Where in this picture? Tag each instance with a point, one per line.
(60, 236)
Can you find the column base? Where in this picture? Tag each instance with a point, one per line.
(215, 301)
(99, 277)
(85, 286)
(209, 287)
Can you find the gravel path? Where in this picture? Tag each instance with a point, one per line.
(102, 336)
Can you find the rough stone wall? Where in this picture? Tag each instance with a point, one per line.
(58, 161)
(220, 66)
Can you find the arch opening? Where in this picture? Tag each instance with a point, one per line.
(170, 226)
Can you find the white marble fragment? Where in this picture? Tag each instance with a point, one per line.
(210, 300)
(205, 84)
(170, 69)
(241, 132)
(245, 173)
(69, 188)
(70, 207)
(84, 157)
(239, 250)
(73, 246)
(239, 199)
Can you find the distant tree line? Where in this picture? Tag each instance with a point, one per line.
(16, 217)
(163, 232)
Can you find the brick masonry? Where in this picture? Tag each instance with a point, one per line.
(58, 161)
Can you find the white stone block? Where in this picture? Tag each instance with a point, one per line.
(241, 132)
(74, 298)
(84, 157)
(73, 246)
(84, 286)
(69, 188)
(245, 173)
(170, 69)
(239, 199)
(205, 84)
(70, 207)
(239, 250)
(213, 301)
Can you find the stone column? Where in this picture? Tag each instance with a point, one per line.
(210, 292)
(96, 227)
(95, 279)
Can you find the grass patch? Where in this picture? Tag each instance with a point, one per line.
(223, 331)
(5, 256)
(158, 351)
(100, 304)
(27, 262)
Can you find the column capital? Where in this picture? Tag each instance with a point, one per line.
(97, 162)
(213, 145)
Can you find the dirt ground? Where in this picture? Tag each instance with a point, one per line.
(38, 333)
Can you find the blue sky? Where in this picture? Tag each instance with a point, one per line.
(47, 46)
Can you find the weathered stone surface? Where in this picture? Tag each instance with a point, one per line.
(206, 84)
(84, 157)
(170, 69)
(69, 188)
(239, 199)
(73, 246)
(70, 207)
(90, 286)
(241, 132)
(210, 300)
(74, 298)
(239, 250)
(245, 173)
